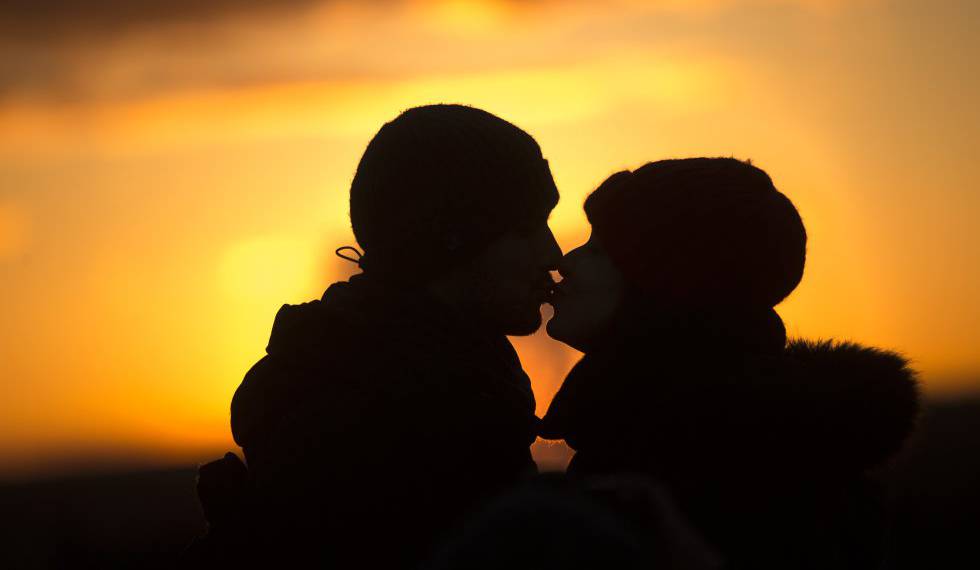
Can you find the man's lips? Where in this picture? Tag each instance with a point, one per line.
(555, 292)
(545, 288)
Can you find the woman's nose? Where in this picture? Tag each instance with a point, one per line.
(567, 264)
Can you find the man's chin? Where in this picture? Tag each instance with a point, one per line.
(556, 330)
(527, 324)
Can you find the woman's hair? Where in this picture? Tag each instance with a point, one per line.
(701, 231)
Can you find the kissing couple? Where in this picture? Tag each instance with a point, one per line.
(389, 424)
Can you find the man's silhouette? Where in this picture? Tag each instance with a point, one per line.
(391, 407)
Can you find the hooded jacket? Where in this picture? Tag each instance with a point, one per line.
(376, 421)
(767, 446)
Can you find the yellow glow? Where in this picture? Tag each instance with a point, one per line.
(267, 268)
(13, 231)
(468, 16)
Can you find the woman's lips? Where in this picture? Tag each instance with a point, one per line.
(544, 288)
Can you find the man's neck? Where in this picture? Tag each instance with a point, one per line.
(455, 298)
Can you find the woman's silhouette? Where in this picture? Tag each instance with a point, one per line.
(767, 446)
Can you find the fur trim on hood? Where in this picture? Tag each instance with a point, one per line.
(822, 406)
(871, 398)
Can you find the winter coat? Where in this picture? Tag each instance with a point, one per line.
(767, 446)
(377, 420)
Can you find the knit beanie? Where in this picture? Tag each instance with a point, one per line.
(439, 183)
(700, 232)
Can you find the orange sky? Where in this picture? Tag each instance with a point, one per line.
(170, 175)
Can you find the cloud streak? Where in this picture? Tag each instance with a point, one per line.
(114, 50)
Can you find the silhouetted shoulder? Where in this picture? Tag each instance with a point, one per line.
(305, 350)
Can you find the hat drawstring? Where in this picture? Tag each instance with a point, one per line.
(339, 253)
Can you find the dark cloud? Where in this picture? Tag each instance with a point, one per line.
(61, 49)
(67, 20)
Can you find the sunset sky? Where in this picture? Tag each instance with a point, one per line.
(171, 172)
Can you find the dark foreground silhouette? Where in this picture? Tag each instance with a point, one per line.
(145, 519)
(556, 523)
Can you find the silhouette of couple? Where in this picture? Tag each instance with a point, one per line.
(393, 411)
